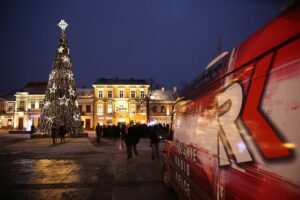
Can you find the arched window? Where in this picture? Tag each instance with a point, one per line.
(154, 109)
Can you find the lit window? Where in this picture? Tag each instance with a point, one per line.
(40, 104)
(109, 94)
(109, 108)
(10, 108)
(88, 108)
(100, 109)
(132, 94)
(32, 104)
(162, 109)
(142, 94)
(121, 94)
(132, 108)
(100, 94)
(22, 103)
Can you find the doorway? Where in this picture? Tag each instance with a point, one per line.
(21, 126)
(88, 123)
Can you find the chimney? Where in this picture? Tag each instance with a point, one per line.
(174, 89)
(163, 89)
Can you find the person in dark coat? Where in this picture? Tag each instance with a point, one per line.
(135, 138)
(54, 133)
(154, 140)
(129, 140)
(32, 129)
(62, 133)
(123, 134)
(98, 132)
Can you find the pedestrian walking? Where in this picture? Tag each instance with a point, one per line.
(62, 132)
(123, 134)
(54, 133)
(32, 129)
(129, 137)
(99, 132)
(154, 141)
(135, 138)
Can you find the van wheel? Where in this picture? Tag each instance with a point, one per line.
(166, 178)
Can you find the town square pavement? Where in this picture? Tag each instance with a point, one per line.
(79, 169)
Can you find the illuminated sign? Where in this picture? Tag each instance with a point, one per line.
(121, 106)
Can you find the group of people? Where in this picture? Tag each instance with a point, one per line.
(131, 134)
(58, 131)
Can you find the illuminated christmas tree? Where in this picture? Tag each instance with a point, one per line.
(61, 103)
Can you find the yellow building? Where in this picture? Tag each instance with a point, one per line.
(118, 101)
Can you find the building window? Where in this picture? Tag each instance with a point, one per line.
(162, 109)
(142, 94)
(40, 104)
(80, 108)
(100, 94)
(100, 109)
(88, 108)
(109, 108)
(10, 108)
(22, 106)
(109, 94)
(142, 107)
(121, 94)
(132, 108)
(132, 94)
(154, 109)
(32, 104)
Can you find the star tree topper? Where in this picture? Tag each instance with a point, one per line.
(63, 25)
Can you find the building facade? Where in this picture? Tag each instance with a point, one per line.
(28, 105)
(7, 109)
(110, 101)
(86, 106)
(161, 105)
(118, 101)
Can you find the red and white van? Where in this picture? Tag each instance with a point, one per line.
(237, 131)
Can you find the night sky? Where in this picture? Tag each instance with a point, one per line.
(171, 40)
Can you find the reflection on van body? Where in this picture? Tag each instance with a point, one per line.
(236, 132)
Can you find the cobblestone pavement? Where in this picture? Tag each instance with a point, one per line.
(80, 168)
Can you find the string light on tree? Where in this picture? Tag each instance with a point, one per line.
(65, 59)
(70, 75)
(72, 92)
(46, 104)
(63, 100)
(51, 75)
(49, 120)
(53, 88)
(76, 117)
(76, 103)
(60, 49)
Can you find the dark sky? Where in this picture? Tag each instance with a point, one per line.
(171, 40)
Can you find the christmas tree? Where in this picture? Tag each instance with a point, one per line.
(61, 103)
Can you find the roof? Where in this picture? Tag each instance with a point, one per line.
(85, 91)
(117, 81)
(8, 96)
(35, 87)
(166, 95)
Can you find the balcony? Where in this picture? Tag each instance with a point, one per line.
(21, 109)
